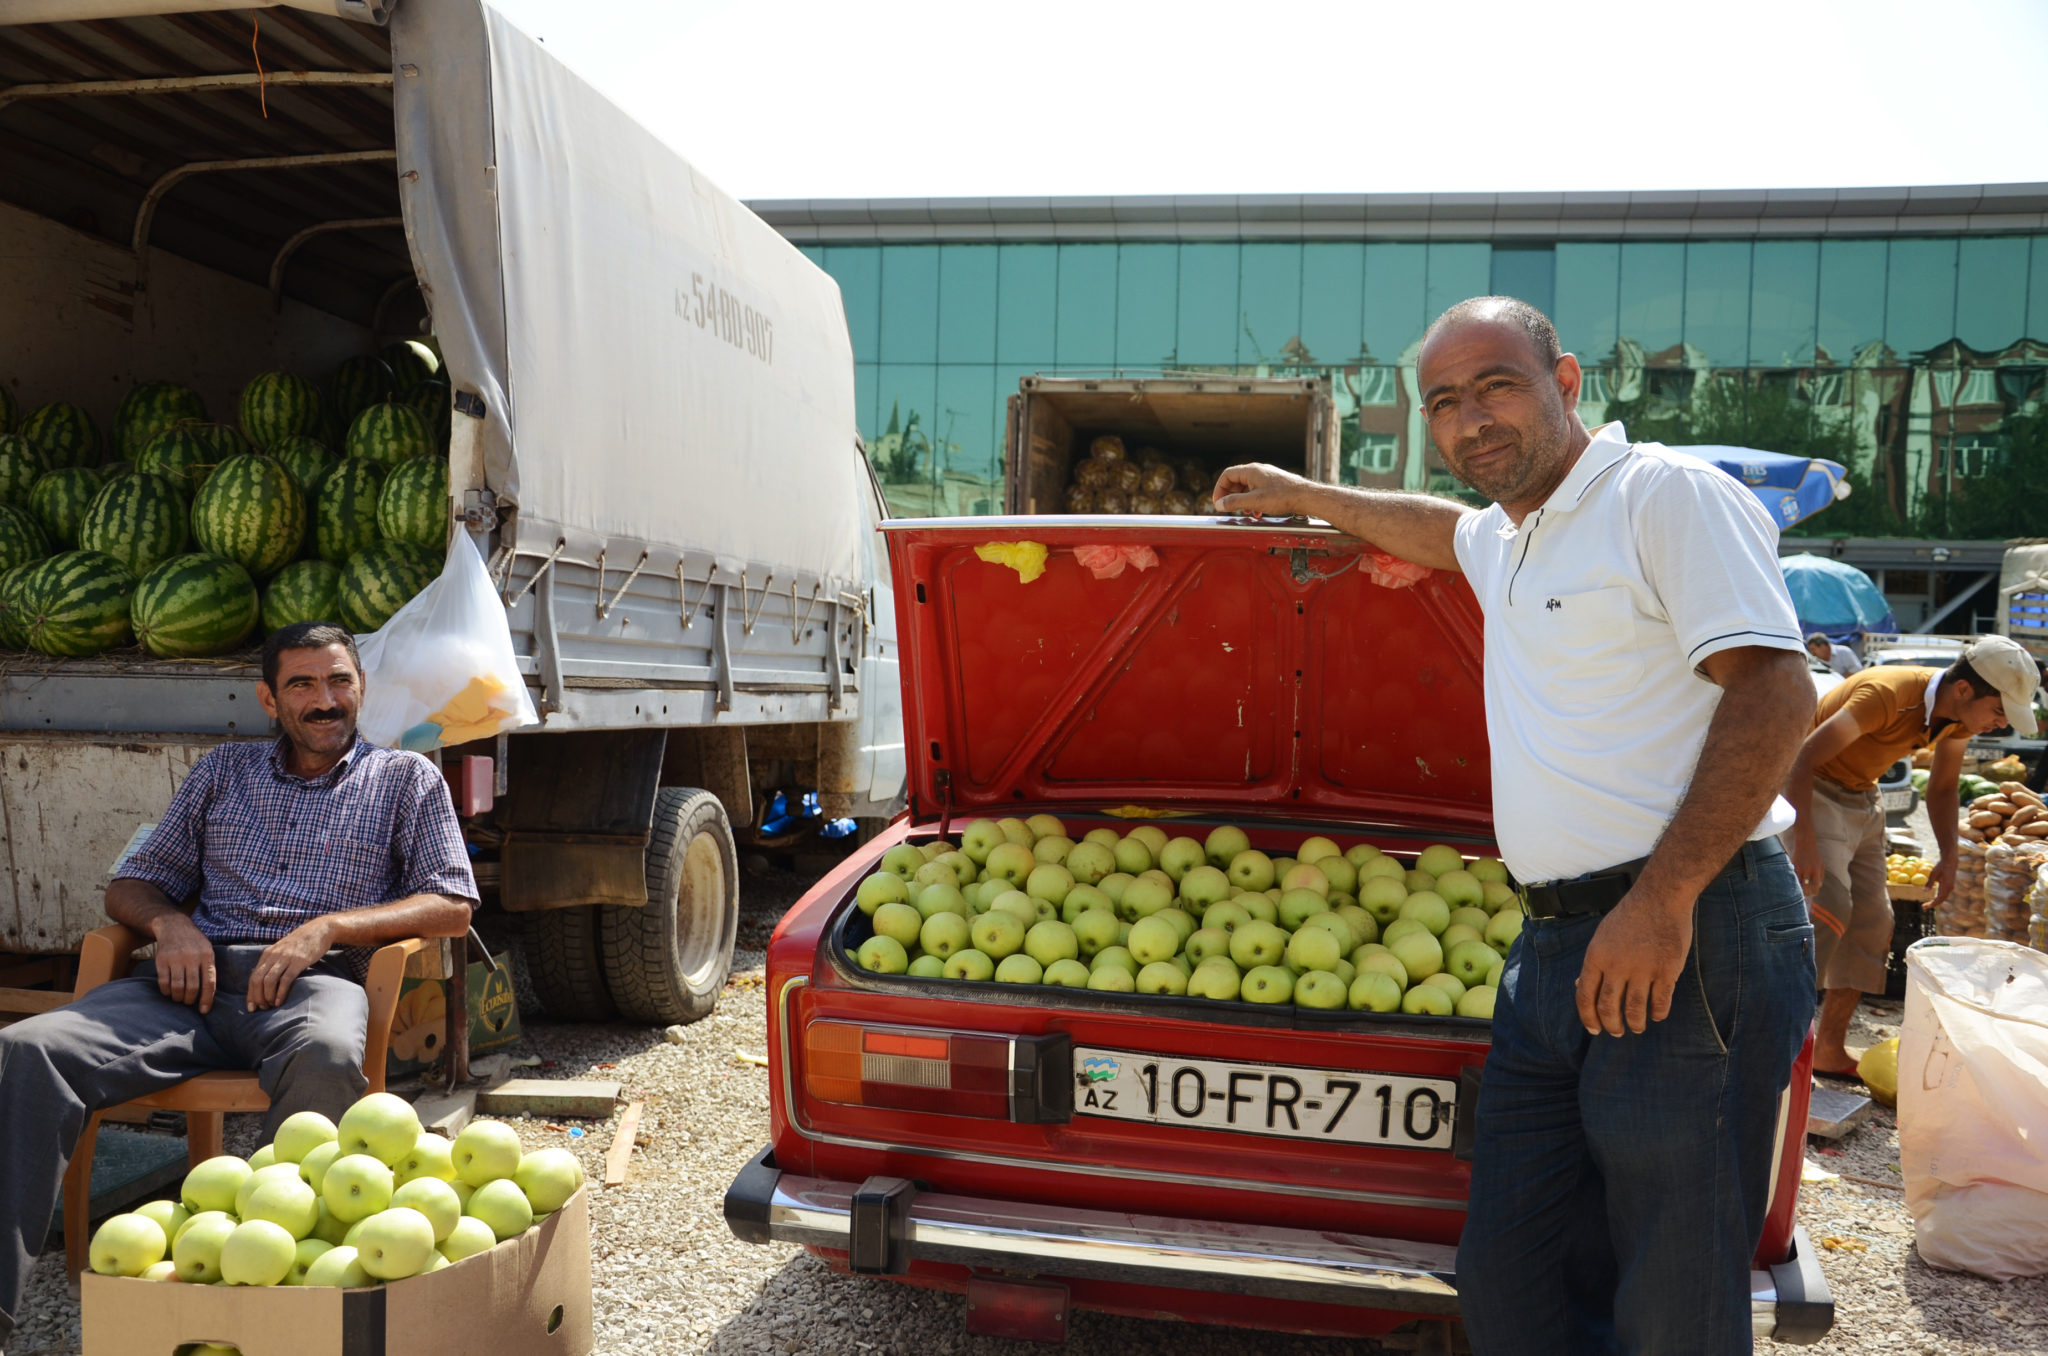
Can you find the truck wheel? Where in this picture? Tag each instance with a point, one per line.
(563, 959)
(668, 962)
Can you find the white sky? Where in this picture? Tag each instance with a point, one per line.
(971, 98)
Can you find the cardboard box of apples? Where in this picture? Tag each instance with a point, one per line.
(333, 1236)
(1018, 901)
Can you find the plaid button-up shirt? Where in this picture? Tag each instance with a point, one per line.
(267, 850)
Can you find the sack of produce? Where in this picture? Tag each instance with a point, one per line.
(2009, 870)
(1962, 913)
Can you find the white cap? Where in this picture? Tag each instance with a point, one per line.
(2009, 668)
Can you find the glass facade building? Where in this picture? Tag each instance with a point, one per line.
(1911, 345)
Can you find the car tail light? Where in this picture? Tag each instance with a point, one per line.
(952, 1073)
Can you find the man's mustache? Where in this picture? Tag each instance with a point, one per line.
(321, 717)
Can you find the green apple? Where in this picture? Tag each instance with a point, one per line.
(1461, 889)
(1019, 969)
(503, 1206)
(549, 1177)
(1493, 975)
(1010, 862)
(300, 1134)
(1363, 925)
(1044, 826)
(286, 1202)
(166, 1270)
(258, 1178)
(1345, 971)
(1267, 984)
(258, 1252)
(1471, 916)
(883, 955)
(1161, 878)
(1083, 898)
(1477, 1002)
(1052, 849)
(934, 849)
(980, 838)
(1223, 844)
(1374, 991)
(1313, 949)
(432, 1156)
(899, 922)
(1095, 930)
(933, 873)
(1051, 941)
(1050, 882)
(1379, 868)
(1381, 962)
(1251, 869)
(943, 934)
(1257, 945)
(1114, 886)
(1144, 897)
(1316, 848)
(486, 1151)
(213, 1184)
(1429, 909)
(127, 1245)
(1334, 923)
(1438, 858)
(1016, 831)
(263, 1157)
(1152, 836)
(179, 1232)
(1319, 989)
(436, 1200)
(1216, 978)
(1461, 932)
(1183, 922)
(1259, 907)
(902, 860)
(1419, 881)
(1449, 983)
(469, 1237)
(330, 1228)
(1115, 958)
(1298, 905)
(355, 1231)
(969, 965)
(942, 897)
(1428, 999)
(1067, 974)
(1403, 927)
(357, 1186)
(1017, 904)
(1502, 929)
(1420, 953)
(1163, 976)
(1104, 835)
(998, 934)
(922, 966)
(1497, 896)
(1203, 886)
(339, 1267)
(1153, 939)
(169, 1216)
(1181, 856)
(1090, 862)
(463, 1191)
(396, 1243)
(1112, 979)
(1132, 856)
(1489, 869)
(380, 1125)
(309, 1251)
(1305, 876)
(1225, 916)
(197, 1251)
(884, 887)
(1207, 943)
(1342, 875)
(1281, 866)
(1359, 855)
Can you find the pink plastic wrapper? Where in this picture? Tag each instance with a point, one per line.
(1391, 572)
(1107, 562)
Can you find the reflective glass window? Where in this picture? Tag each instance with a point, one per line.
(1207, 323)
(1920, 295)
(1717, 300)
(1588, 295)
(1783, 289)
(1527, 273)
(1395, 279)
(1332, 294)
(864, 403)
(910, 304)
(1456, 273)
(1147, 301)
(903, 450)
(2037, 290)
(1027, 291)
(1652, 309)
(858, 271)
(1269, 300)
(1087, 335)
(965, 423)
(1991, 291)
(967, 303)
(1851, 297)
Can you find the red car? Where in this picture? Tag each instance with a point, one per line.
(1227, 1162)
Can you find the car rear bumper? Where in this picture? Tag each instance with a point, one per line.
(884, 1224)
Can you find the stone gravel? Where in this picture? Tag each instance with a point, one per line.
(670, 1278)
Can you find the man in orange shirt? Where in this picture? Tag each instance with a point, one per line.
(1861, 728)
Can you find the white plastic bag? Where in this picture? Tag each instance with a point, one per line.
(1973, 1105)
(441, 671)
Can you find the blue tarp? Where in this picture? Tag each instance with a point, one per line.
(1792, 488)
(1835, 597)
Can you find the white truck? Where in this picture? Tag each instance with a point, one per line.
(653, 445)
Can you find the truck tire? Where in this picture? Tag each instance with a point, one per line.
(667, 963)
(564, 960)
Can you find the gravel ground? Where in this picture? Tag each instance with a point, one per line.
(707, 1113)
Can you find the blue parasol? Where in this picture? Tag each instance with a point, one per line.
(1833, 596)
(1792, 488)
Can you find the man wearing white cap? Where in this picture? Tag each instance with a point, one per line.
(1861, 727)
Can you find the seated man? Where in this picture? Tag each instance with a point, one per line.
(306, 855)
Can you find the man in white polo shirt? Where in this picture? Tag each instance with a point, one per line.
(1645, 696)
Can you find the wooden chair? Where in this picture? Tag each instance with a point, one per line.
(109, 954)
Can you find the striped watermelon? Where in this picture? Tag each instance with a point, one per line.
(413, 506)
(148, 410)
(388, 434)
(194, 605)
(76, 603)
(431, 402)
(380, 579)
(411, 362)
(22, 464)
(225, 440)
(250, 510)
(22, 539)
(59, 501)
(13, 625)
(66, 434)
(138, 519)
(357, 384)
(306, 460)
(345, 510)
(181, 456)
(303, 591)
(110, 469)
(276, 406)
(10, 412)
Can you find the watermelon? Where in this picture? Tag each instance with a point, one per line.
(276, 406)
(10, 412)
(13, 629)
(138, 519)
(181, 456)
(22, 464)
(303, 591)
(413, 506)
(76, 603)
(59, 501)
(194, 605)
(148, 410)
(66, 434)
(22, 539)
(110, 469)
(431, 402)
(250, 510)
(380, 579)
(411, 362)
(225, 440)
(388, 434)
(357, 384)
(306, 460)
(345, 510)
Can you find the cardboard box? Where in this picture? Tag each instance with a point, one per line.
(419, 1028)
(529, 1296)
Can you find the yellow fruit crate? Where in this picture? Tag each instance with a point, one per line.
(1917, 893)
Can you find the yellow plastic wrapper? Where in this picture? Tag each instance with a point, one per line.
(1027, 558)
(1879, 1070)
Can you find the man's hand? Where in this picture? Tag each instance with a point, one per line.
(1258, 490)
(1943, 879)
(1633, 963)
(285, 960)
(1806, 859)
(184, 961)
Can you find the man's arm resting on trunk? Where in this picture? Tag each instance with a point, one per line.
(184, 958)
(1415, 527)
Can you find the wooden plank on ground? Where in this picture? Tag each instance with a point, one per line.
(551, 1097)
(621, 1153)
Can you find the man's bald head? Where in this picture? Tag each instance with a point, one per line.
(1541, 333)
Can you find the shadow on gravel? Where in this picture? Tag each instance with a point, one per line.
(1989, 1315)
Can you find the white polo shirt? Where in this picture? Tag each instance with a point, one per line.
(1599, 610)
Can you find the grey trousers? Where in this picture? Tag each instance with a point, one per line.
(126, 1039)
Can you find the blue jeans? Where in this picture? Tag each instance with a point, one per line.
(1619, 1184)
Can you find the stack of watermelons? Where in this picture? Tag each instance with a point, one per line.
(185, 535)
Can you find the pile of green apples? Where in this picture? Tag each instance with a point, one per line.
(371, 1199)
(1019, 902)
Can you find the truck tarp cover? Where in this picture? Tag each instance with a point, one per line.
(660, 368)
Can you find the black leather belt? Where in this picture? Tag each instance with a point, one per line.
(1595, 892)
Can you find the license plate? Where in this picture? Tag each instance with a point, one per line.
(1266, 1099)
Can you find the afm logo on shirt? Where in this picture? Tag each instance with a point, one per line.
(1552, 605)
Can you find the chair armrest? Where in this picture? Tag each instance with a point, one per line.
(387, 973)
(105, 955)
